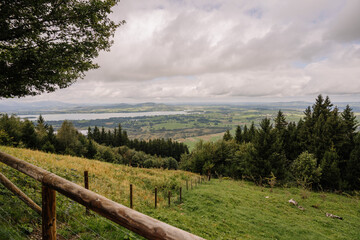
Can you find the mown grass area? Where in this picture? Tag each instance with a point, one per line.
(240, 210)
(224, 209)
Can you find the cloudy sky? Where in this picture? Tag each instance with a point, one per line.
(219, 50)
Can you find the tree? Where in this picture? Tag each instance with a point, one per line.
(305, 169)
(67, 138)
(45, 45)
(330, 170)
(227, 135)
(270, 157)
(280, 121)
(238, 134)
(29, 134)
(353, 166)
(350, 124)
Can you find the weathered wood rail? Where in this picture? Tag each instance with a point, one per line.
(137, 222)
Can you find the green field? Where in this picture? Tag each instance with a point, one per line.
(220, 209)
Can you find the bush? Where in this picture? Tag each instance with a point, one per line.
(5, 139)
(305, 169)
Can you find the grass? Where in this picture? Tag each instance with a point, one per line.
(239, 210)
(224, 209)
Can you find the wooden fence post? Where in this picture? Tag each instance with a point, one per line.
(155, 197)
(180, 193)
(191, 183)
(169, 196)
(14, 189)
(187, 185)
(131, 196)
(48, 213)
(86, 183)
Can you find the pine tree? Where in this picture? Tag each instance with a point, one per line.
(350, 124)
(238, 134)
(90, 150)
(353, 166)
(280, 121)
(246, 137)
(269, 154)
(330, 178)
(227, 136)
(89, 133)
(252, 132)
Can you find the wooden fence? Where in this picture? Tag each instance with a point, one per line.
(137, 222)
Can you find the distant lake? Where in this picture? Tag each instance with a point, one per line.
(93, 116)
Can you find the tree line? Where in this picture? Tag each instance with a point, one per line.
(321, 150)
(112, 147)
(118, 137)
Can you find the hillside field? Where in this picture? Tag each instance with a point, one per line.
(219, 209)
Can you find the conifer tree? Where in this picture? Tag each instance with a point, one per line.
(353, 166)
(227, 135)
(330, 178)
(29, 135)
(350, 124)
(238, 134)
(246, 137)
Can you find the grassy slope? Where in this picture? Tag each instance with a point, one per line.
(216, 210)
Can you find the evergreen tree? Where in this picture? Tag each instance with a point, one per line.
(353, 166)
(29, 135)
(292, 142)
(350, 124)
(89, 133)
(330, 178)
(41, 132)
(227, 136)
(270, 157)
(96, 134)
(51, 135)
(280, 121)
(246, 137)
(252, 132)
(238, 134)
(90, 150)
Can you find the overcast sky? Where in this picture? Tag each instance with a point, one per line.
(218, 50)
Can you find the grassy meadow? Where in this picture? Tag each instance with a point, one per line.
(219, 209)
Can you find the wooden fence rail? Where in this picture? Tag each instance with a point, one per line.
(137, 222)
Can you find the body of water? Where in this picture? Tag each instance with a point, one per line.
(93, 116)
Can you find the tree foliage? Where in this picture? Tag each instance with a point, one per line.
(45, 45)
(322, 149)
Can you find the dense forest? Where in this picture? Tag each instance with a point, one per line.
(119, 137)
(322, 150)
(102, 145)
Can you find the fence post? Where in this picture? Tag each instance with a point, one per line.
(131, 196)
(48, 213)
(155, 197)
(86, 183)
(180, 193)
(187, 185)
(169, 196)
(191, 183)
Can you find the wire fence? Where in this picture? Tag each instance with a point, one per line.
(72, 220)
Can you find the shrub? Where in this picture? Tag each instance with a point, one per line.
(305, 169)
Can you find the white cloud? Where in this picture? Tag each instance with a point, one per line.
(179, 50)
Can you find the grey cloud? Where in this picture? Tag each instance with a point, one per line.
(345, 26)
(227, 49)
